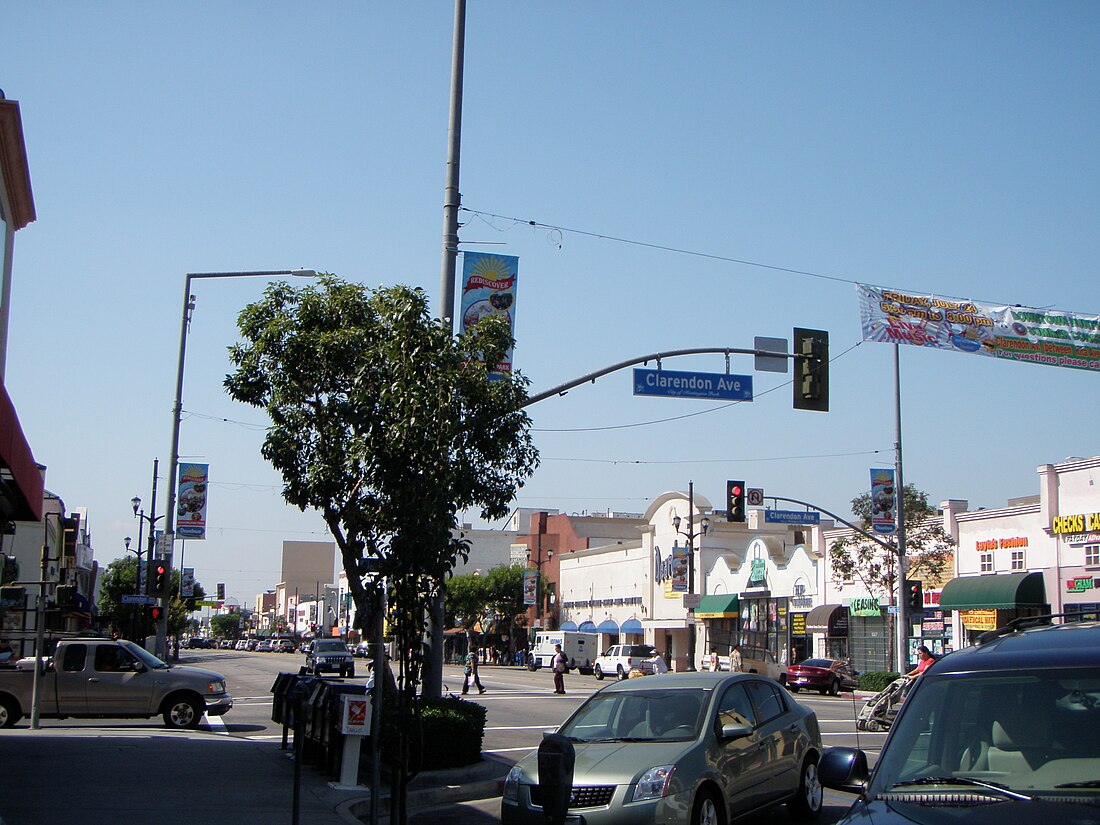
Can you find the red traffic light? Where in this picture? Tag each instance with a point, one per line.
(736, 490)
(155, 613)
(160, 570)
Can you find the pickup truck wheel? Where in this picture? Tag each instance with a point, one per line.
(9, 713)
(182, 712)
(598, 673)
(349, 673)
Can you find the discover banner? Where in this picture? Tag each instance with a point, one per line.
(1013, 333)
(489, 288)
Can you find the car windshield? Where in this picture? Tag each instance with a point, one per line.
(1028, 731)
(147, 658)
(639, 716)
(327, 647)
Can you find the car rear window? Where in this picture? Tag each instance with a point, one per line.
(825, 663)
(638, 650)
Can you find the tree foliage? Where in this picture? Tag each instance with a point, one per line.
(389, 426)
(133, 621)
(473, 598)
(928, 546)
(226, 626)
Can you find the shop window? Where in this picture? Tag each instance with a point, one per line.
(1018, 560)
(985, 563)
(1092, 555)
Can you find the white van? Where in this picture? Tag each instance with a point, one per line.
(580, 649)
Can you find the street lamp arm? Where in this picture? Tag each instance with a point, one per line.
(843, 521)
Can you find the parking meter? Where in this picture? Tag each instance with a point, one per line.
(556, 757)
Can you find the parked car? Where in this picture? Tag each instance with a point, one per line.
(619, 659)
(1005, 731)
(823, 675)
(264, 646)
(283, 646)
(362, 650)
(329, 655)
(242, 644)
(687, 747)
(226, 644)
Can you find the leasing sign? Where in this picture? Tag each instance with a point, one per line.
(1013, 333)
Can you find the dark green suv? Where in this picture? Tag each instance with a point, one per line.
(1005, 731)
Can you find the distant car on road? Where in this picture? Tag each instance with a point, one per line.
(823, 675)
(693, 748)
(264, 646)
(283, 646)
(329, 655)
(618, 660)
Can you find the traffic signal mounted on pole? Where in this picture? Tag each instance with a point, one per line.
(735, 501)
(221, 591)
(914, 595)
(811, 369)
(160, 577)
(154, 613)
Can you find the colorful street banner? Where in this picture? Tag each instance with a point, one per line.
(883, 501)
(530, 586)
(1013, 333)
(489, 289)
(187, 583)
(191, 501)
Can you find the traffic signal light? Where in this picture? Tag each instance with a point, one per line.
(154, 613)
(160, 577)
(221, 591)
(735, 501)
(811, 369)
(914, 595)
(65, 595)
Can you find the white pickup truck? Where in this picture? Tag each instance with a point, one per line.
(113, 679)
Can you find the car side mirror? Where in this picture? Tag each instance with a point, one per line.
(735, 730)
(844, 769)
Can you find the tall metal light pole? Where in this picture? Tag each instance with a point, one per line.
(704, 525)
(432, 682)
(177, 410)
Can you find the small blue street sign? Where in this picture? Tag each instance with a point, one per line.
(792, 517)
(677, 384)
(130, 598)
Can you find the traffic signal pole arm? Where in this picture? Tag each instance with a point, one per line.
(845, 522)
(561, 389)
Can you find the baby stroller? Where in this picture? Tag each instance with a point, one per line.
(879, 711)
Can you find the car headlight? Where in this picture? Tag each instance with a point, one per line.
(216, 687)
(511, 784)
(654, 783)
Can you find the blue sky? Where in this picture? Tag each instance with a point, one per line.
(936, 147)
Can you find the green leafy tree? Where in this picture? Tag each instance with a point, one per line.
(467, 602)
(133, 621)
(389, 426)
(506, 598)
(226, 626)
(928, 546)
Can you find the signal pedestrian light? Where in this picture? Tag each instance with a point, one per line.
(811, 369)
(914, 595)
(154, 613)
(221, 591)
(160, 577)
(735, 501)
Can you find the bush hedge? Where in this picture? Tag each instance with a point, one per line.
(453, 733)
(877, 680)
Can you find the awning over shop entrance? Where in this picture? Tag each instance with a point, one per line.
(608, 626)
(21, 485)
(568, 626)
(820, 619)
(1003, 591)
(721, 606)
(632, 626)
(587, 627)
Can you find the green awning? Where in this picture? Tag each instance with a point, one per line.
(1004, 591)
(723, 606)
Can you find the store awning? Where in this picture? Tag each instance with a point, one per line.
(722, 606)
(632, 626)
(821, 617)
(21, 484)
(1003, 591)
(587, 627)
(608, 626)
(568, 626)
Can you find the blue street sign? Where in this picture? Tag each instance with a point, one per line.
(710, 385)
(130, 598)
(792, 517)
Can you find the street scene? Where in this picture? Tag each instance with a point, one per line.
(603, 414)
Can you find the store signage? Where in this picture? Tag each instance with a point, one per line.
(865, 606)
(979, 619)
(1078, 523)
(931, 624)
(798, 624)
(678, 384)
(792, 517)
(1014, 543)
(671, 570)
(1082, 583)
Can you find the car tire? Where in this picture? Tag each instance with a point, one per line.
(807, 802)
(182, 712)
(708, 810)
(834, 688)
(9, 713)
(620, 672)
(350, 672)
(597, 671)
(793, 688)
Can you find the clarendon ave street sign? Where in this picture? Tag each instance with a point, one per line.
(792, 517)
(677, 384)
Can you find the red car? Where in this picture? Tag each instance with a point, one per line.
(823, 675)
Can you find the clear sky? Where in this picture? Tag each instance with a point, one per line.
(933, 147)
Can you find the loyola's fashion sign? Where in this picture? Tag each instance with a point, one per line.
(1015, 333)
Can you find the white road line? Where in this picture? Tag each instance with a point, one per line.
(217, 725)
